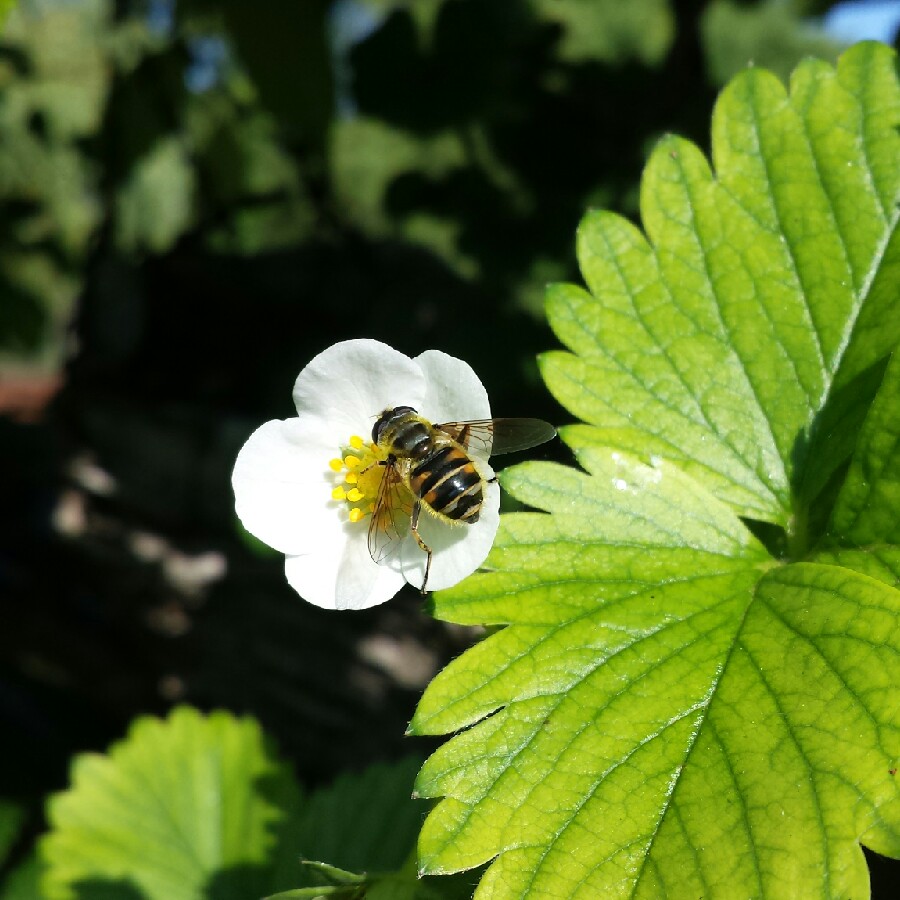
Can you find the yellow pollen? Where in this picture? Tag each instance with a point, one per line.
(359, 475)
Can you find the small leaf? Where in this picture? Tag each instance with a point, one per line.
(177, 805)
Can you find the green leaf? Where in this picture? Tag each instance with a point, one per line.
(609, 30)
(286, 50)
(181, 806)
(23, 882)
(367, 823)
(867, 507)
(5, 7)
(12, 816)
(770, 34)
(68, 76)
(155, 206)
(694, 693)
(362, 822)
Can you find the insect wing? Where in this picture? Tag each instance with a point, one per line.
(491, 437)
(390, 517)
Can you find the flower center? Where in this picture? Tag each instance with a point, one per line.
(359, 475)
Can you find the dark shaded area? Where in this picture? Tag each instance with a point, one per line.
(96, 889)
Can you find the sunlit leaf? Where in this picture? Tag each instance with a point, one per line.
(695, 691)
(177, 807)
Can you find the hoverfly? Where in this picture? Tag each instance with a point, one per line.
(428, 467)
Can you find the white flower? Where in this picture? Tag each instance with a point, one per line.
(296, 487)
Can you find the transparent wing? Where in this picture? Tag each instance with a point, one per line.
(494, 436)
(390, 517)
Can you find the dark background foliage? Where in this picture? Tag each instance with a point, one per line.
(198, 196)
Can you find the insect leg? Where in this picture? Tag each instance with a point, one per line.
(414, 526)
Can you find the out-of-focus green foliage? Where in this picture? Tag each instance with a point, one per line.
(767, 34)
(474, 131)
(53, 85)
(5, 7)
(11, 817)
(202, 806)
(169, 810)
(611, 31)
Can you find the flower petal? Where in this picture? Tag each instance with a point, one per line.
(342, 576)
(458, 549)
(453, 392)
(350, 383)
(282, 486)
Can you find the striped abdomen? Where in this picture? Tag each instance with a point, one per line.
(448, 482)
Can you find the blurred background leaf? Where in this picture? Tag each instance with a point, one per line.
(174, 807)
(197, 805)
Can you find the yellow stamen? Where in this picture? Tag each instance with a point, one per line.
(360, 476)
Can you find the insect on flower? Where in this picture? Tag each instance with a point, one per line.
(413, 502)
(429, 466)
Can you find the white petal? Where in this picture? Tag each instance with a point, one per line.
(282, 486)
(458, 550)
(453, 392)
(342, 576)
(350, 383)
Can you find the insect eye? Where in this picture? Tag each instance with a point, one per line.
(387, 416)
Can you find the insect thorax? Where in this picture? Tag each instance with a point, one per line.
(403, 433)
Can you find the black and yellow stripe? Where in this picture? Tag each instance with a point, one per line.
(448, 482)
